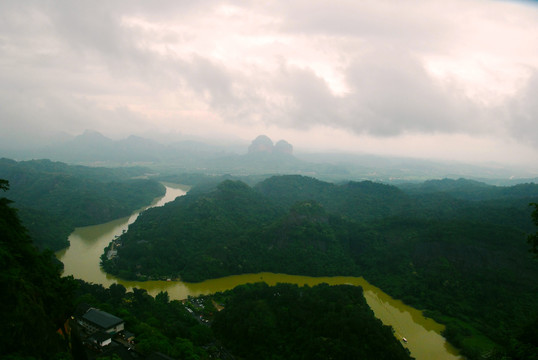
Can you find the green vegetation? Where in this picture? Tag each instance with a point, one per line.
(291, 322)
(257, 322)
(232, 230)
(35, 301)
(160, 325)
(332, 322)
(53, 197)
(533, 238)
(454, 248)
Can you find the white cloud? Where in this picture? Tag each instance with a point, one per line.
(377, 70)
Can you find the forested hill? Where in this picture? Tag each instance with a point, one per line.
(35, 301)
(466, 261)
(362, 201)
(291, 322)
(472, 190)
(283, 322)
(231, 230)
(54, 197)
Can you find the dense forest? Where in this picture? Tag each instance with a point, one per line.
(35, 301)
(455, 248)
(53, 198)
(291, 322)
(254, 322)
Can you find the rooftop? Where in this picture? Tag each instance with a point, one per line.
(101, 318)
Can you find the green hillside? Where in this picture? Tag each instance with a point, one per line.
(53, 197)
(35, 301)
(291, 322)
(463, 260)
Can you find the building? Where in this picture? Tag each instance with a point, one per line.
(95, 320)
(100, 339)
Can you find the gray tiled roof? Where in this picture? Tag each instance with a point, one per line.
(101, 319)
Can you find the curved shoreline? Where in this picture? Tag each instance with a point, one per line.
(82, 260)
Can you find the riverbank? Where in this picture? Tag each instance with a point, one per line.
(81, 260)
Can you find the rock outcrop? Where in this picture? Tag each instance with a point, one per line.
(282, 146)
(264, 144)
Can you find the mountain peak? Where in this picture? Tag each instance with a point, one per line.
(91, 136)
(264, 144)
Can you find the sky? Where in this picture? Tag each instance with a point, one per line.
(442, 79)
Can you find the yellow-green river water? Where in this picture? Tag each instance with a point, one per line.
(81, 259)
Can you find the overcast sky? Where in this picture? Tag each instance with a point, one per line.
(444, 79)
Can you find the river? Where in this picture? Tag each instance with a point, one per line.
(81, 259)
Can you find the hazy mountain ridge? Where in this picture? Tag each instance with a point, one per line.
(92, 148)
(472, 189)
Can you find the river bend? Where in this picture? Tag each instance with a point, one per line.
(81, 259)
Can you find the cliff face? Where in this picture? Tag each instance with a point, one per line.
(264, 144)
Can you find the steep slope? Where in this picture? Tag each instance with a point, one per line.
(34, 301)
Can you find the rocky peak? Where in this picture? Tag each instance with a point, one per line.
(264, 144)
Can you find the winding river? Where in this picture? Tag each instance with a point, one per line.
(81, 259)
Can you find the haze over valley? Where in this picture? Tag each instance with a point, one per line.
(91, 148)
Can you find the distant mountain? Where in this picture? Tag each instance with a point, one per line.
(472, 189)
(93, 147)
(261, 157)
(282, 146)
(263, 144)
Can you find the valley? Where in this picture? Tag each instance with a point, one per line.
(81, 260)
(452, 251)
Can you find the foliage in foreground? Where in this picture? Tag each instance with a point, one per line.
(35, 301)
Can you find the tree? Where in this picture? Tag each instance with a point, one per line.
(4, 185)
(35, 300)
(532, 239)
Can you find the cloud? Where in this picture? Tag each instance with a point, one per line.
(392, 94)
(371, 68)
(523, 111)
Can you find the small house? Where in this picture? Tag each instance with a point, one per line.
(95, 320)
